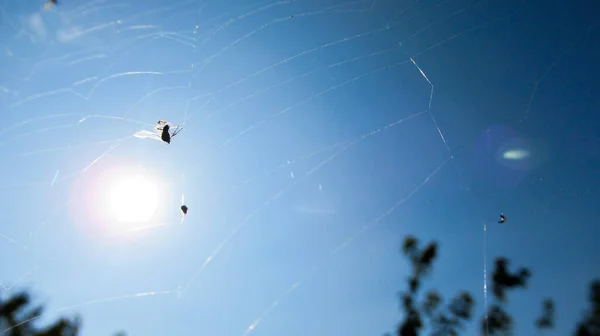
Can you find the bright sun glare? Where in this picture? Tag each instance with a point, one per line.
(133, 199)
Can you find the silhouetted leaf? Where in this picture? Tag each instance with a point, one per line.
(407, 302)
(502, 279)
(462, 306)
(14, 304)
(426, 259)
(432, 303)
(414, 284)
(410, 245)
(546, 321)
(498, 322)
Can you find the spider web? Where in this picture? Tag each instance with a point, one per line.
(281, 120)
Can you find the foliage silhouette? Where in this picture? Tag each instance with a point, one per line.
(436, 317)
(17, 319)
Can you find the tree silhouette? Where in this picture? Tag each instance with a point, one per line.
(437, 317)
(16, 319)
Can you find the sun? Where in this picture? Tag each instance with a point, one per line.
(133, 199)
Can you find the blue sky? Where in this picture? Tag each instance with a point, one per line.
(308, 152)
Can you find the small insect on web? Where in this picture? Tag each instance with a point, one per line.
(183, 208)
(163, 131)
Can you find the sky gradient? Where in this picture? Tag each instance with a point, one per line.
(316, 135)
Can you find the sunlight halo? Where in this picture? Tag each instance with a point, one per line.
(133, 199)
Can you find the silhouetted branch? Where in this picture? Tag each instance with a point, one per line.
(444, 323)
(447, 319)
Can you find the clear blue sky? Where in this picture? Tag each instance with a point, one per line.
(277, 100)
